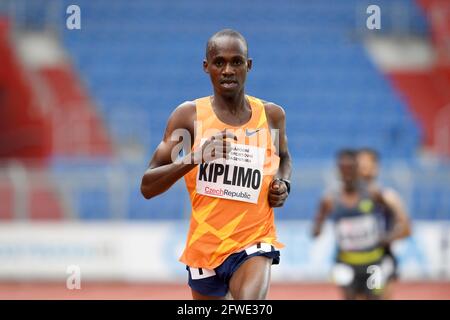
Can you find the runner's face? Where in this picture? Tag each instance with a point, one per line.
(348, 169)
(367, 167)
(227, 65)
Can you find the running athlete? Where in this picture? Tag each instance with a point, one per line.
(395, 222)
(356, 213)
(234, 174)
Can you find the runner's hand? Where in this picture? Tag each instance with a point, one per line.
(216, 147)
(277, 193)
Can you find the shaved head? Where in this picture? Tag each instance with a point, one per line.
(210, 45)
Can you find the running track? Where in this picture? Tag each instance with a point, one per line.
(297, 291)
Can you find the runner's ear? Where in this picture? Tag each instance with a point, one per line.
(205, 66)
(249, 64)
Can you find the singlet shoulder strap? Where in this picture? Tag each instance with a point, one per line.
(258, 107)
(202, 107)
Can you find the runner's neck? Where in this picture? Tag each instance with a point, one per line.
(233, 105)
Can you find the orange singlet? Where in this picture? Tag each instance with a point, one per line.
(230, 207)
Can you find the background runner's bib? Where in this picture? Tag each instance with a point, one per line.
(237, 178)
(357, 233)
(230, 207)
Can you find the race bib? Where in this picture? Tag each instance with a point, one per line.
(357, 233)
(238, 178)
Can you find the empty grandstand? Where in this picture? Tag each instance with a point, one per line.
(94, 103)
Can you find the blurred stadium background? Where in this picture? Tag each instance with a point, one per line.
(82, 110)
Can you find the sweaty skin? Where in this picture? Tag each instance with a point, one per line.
(227, 65)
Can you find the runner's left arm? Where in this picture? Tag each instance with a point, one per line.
(322, 213)
(278, 191)
(402, 225)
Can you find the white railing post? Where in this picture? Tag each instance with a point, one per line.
(118, 186)
(442, 131)
(20, 183)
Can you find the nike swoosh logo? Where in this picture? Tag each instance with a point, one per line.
(249, 133)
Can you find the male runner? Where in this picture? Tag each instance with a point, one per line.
(368, 168)
(356, 211)
(234, 175)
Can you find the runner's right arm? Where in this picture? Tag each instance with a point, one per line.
(164, 168)
(162, 172)
(324, 210)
